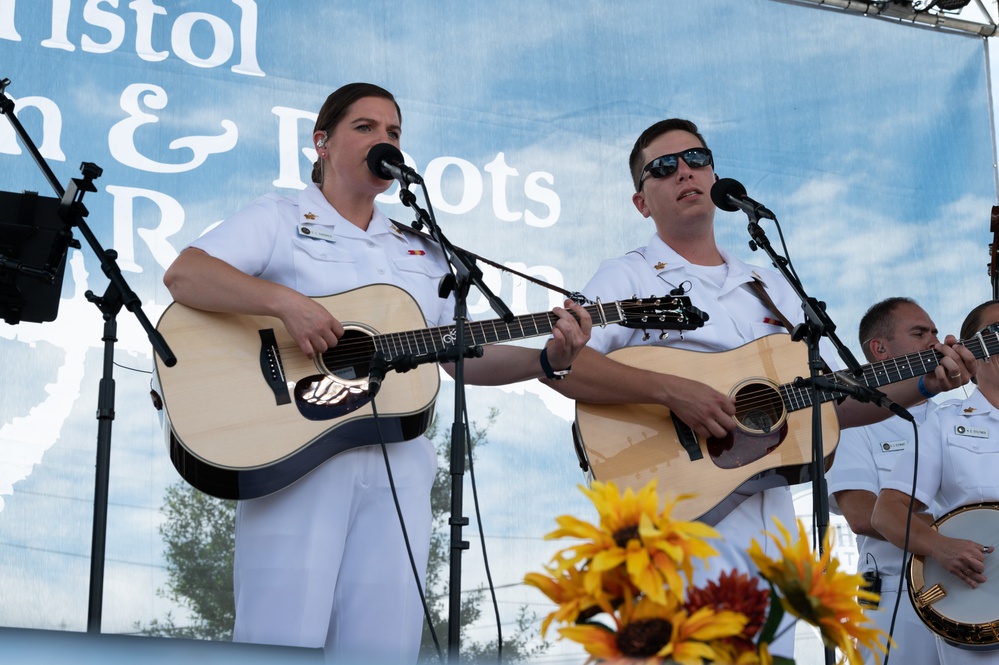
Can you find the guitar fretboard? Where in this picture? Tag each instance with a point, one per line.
(655, 314)
(983, 345)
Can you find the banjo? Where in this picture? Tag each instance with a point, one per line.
(964, 617)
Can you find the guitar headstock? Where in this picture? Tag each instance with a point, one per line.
(661, 313)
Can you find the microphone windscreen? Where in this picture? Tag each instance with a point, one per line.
(722, 189)
(384, 152)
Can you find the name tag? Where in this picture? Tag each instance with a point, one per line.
(316, 232)
(976, 432)
(892, 446)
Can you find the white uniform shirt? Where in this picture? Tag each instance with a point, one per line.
(958, 465)
(958, 456)
(864, 459)
(736, 314)
(306, 245)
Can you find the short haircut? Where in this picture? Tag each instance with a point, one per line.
(880, 322)
(636, 161)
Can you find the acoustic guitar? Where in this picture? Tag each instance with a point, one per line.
(248, 413)
(631, 444)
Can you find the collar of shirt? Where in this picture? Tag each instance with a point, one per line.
(663, 260)
(314, 209)
(975, 405)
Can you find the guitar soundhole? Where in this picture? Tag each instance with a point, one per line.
(351, 358)
(762, 425)
(759, 407)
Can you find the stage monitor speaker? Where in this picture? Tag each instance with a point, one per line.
(33, 244)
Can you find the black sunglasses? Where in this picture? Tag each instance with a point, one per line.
(660, 167)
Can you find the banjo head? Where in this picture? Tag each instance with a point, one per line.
(965, 617)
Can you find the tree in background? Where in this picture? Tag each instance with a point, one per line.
(199, 536)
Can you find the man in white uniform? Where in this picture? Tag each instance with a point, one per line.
(958, 466)
(864, 458)
(672, 171)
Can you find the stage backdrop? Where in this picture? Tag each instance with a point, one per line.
(870, 140)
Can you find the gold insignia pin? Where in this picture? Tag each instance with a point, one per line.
(660, 265)
(970, 409)
(310, 216)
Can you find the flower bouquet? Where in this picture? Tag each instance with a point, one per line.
(625, 593)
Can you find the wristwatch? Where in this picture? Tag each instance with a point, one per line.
(553, 374)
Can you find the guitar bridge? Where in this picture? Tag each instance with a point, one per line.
(687, 437)
(271, 368)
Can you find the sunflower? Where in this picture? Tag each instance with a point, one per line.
(653, 547)
(564, 586)
(647, 632)
(565, 589)
(818, 592)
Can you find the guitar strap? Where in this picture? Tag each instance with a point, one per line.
(426, 236)
(761, 292)
(792, 475)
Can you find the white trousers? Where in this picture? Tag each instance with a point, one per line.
(952, 655)
(749, 521)
(914, 642)
(322, 563)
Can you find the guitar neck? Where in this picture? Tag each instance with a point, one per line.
(893, 370)
(494, 331)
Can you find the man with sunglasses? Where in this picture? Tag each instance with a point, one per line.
(672, 171)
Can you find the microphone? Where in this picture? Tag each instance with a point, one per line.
(729, 195)
(874, 395)
(386, 162)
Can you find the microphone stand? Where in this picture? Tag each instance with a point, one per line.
(118, 294)
(465, 274)
(817, 324)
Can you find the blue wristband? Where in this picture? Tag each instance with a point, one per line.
(922, 388)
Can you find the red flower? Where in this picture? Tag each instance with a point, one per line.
(736, 592)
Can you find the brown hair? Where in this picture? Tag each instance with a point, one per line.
(335, 108)
(635, 161)
(973, 323)
(879, 321)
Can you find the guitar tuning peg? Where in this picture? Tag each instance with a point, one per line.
(645, 336)
(663, 335)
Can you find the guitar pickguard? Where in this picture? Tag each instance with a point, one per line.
(343, 386)
(325, 398)
(762, 425)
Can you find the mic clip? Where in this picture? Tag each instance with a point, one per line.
(843, 383)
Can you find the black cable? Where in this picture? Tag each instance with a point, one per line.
(482, 539)
(905, 544)
(405, 534)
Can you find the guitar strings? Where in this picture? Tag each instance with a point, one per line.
(427, 339)
(355, 351)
